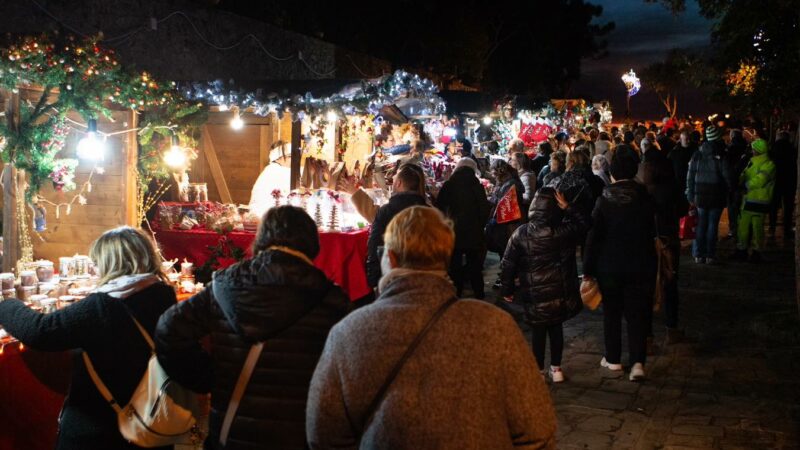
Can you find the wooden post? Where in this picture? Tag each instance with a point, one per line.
(265, 142)
(216, 169)
(11, 250)
(130, 179)
(297, 153)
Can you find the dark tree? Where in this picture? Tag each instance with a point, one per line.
(506, 46)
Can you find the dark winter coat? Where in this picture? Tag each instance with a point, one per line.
(784, 155)
(463, 199)
(470, 384)
(542, 255)
(680, 157)
(102, 327)
(657, 175)
(737, 150)
(621, 240)
(538, 163)
(275, 298)
(397, 203)
(497, 234)
(708, 180)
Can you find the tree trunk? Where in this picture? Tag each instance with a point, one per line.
(796, 222)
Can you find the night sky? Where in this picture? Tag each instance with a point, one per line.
(644, 33)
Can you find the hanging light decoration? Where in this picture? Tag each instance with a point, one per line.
(92, 146)
(632, 83)
(236, 122)
(175, 157)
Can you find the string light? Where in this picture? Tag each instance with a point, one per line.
(632, 83)
(91, 147)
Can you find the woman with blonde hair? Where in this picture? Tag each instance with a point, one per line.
(104, 327)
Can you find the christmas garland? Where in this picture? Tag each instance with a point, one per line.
(79, 75)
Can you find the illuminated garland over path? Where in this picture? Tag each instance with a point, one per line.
(411, 93)
(79, 75)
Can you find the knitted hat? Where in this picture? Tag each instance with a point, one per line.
(468, 162)
(623, 166)
(760, 146)
(712, 134)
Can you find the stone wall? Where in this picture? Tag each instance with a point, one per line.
(160, 36)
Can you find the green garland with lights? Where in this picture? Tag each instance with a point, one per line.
(79, 75)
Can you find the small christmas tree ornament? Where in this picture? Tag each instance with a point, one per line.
(333, 219)
(318, 215)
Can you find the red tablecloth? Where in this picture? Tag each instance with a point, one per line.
(32, 389)
(341, 255)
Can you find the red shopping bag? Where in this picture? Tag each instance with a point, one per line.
(508, 207)
(688, 225)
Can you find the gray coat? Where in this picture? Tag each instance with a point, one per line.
(471, 384)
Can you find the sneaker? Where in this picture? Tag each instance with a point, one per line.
(755, 257)
(699, 260)
(610, 366)
(556, 374)
(637, 372)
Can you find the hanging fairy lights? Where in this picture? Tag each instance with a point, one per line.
(632, 83)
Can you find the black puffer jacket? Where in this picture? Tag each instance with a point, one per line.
(100, 326)
(276, 298)
(657, 175)
(542, 254)
(463, 199)
(385, 214)
(621, 240)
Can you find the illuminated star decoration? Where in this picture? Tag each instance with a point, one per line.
(632, 83)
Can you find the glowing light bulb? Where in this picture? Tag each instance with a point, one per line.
(175, 157)
(91, 147)
(237, 123)
(487, 120)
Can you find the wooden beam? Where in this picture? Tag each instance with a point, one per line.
(216, 169)
(265, 143)
(11, 250)
(130, 180)
(297, 153)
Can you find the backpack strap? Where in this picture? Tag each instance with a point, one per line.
(101, 387)
(238, 391)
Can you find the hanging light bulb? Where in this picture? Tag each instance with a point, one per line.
(487, 120)
(175, 157)
(91, 147)
(237, 123)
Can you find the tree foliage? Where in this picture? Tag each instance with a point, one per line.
(666, 78)
(507, 46)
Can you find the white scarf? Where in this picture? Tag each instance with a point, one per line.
(127, 285)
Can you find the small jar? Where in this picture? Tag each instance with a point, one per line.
(28, 278)
(187, 269)
(7, 279)
(66, 300)
(9, 293)
(36, 299)
(81, 264)
(48, 289)
(49, 305)
(65, 267)
(45, 271)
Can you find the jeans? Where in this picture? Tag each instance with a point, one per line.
(705, 241)
(630, 296)
(472, 271)
(539, 339)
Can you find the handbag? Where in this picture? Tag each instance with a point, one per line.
(590, 293)
(378, 398)
(688, 225)
(161, 412)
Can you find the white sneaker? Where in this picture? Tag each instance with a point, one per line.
(609, 366)
(637, 372)
(556, 374)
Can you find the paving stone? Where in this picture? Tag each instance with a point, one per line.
(699, 430)
(620, 385)
(691, 420)
(600, 424)
(690, 441)
(586, 439)
(604, 400)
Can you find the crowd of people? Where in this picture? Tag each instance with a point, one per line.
(420, 366)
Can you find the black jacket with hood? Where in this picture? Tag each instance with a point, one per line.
(463, 199)
(276, 298)
(542, 254)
